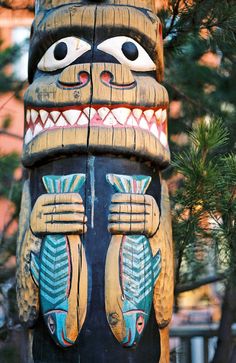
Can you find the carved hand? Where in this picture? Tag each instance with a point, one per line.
(133, 214)
(58, 213)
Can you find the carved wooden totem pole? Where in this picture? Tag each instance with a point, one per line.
(95, 259)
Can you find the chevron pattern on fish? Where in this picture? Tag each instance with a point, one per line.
(137, 268)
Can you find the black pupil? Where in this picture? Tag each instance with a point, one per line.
(60, 51)
(130, 50)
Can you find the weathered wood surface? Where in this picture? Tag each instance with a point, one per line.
(95, 257)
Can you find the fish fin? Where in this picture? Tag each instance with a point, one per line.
(156, 265)
(34, 267)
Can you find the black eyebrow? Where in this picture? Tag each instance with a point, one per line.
(42, 40)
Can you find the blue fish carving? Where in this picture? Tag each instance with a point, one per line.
(57, 272)
(139, 271)
(51, 274)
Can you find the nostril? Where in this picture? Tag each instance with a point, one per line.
(80, 81)
(107, 78)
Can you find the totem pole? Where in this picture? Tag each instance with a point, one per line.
(95, 259)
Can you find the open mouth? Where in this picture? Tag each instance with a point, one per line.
(152, 120)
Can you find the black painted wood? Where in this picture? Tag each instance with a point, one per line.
(96, 343)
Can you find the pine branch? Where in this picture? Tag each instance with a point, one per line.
(11, 134)
(196, 284)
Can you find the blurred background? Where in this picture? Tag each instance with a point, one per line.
(200, 54)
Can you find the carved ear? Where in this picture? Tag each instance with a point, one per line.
(160, 54)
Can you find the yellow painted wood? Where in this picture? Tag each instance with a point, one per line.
(164, 288)
(106, 139)
(113, 293)
(27, 291)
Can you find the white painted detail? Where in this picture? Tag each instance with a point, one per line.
(83, 120)
(61, 121)
(110, 120)
(103, 111)
(55, 115)
(49, 124)
(43, 115)
(143, 124)
(163, 139)
(132, 121)
(28, 116)
(121, 114)
(158, 114)
(154, 130)
(34, 115)
(113, 46)
(28, 136)
(163, 116)
(72, 116)
(137, 113)
(75, 48)
(90, 112)
(149, 114)
(38, 128)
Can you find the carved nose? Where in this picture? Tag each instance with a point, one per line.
(75, 76)
(110, 75)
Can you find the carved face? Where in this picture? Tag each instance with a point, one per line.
(94, 73)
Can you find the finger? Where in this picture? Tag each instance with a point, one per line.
(127, 198)
(120, 218)
(65, 228)
(63, 208)
(128, 208)
(61, 198)
(126, 228)
(66, 217)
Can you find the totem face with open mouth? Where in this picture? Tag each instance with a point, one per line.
(94, 87)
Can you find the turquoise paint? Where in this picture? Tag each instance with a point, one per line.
(139, 269)
(51, 270)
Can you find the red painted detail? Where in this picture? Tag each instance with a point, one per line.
(107, 79)
(140, 324)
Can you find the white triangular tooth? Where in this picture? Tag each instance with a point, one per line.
(132, 121)
(61, 121)
(28, 116)
(158, 114)
(137, 113)
(148, 114)
(83, 120)
(34, 115)
(28, 136)
(49, 124)
(43, 115)
(143, 124)
(154, 130)
(72, 116)
(103, 112)
(90, 112)
(110, 120)
(38, 128)
(121, 114)
(55, 115)
(163, 116)
(163, 139)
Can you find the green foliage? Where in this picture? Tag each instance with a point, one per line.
(205, 204)
(192, 32)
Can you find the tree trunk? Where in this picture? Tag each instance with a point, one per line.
(224, 349)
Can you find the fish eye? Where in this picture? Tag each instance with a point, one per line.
(127, 51)
(62, 53)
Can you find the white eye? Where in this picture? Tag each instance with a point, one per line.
(62, 53)
(127, 51)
